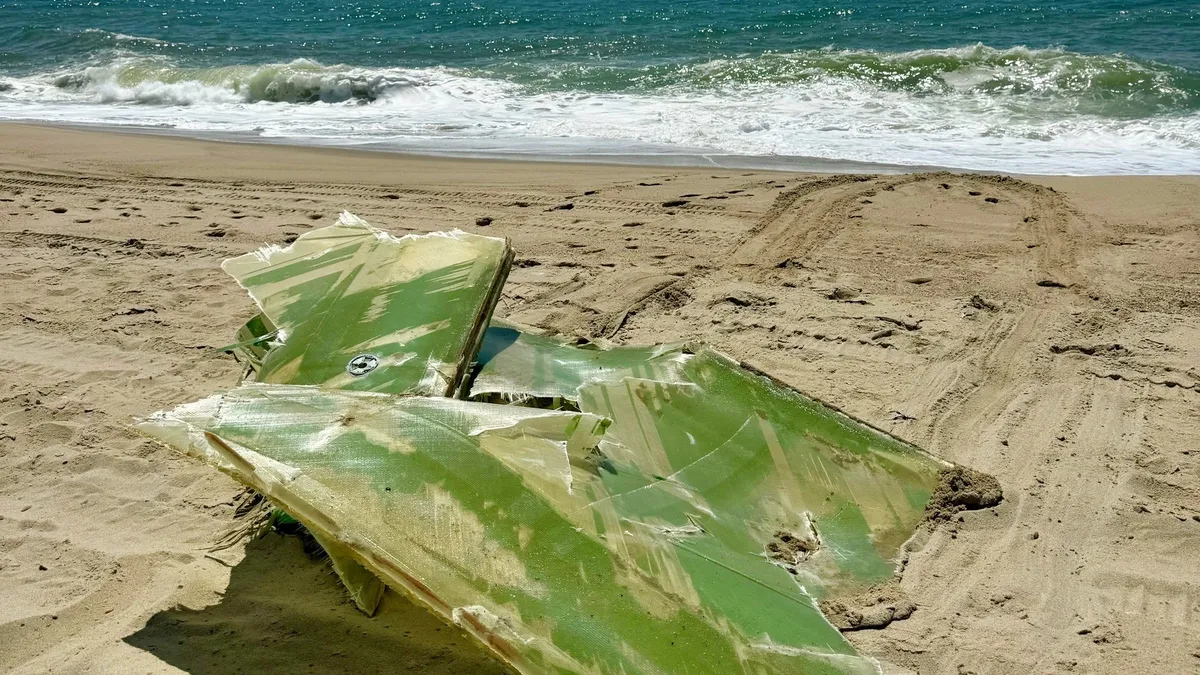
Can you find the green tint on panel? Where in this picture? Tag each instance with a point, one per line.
(482, 512)
(514, 362)
(413, 308)
(750, 462)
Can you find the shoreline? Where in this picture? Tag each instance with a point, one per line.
(696, 159)
(157, 142)
(1042, 330)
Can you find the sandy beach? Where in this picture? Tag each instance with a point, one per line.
(1043, 330)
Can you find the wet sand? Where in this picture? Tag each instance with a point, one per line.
(1045, 331)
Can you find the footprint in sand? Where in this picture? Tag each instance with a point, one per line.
(52, 433)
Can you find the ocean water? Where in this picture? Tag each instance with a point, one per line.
(1036, 86)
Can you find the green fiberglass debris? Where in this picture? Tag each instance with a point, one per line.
(516, 363)
(590, 509)
(413, 307)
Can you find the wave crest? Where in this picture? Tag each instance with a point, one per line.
(1107, 84)
(121, 37)
(153, 81)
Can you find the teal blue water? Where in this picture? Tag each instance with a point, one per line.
(1077, 86)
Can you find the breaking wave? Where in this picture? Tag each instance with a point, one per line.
(1115, 85)
(1025, 110)
(157, 81)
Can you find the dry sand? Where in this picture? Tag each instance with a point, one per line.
(1044, 331)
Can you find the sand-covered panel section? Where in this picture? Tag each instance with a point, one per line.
(1045, 332)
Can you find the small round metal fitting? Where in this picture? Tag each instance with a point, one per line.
(362, 364)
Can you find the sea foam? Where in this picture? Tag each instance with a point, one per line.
(1021, 110)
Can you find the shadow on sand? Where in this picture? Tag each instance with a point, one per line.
(287, 613)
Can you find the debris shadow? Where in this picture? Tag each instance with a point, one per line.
(285, 612)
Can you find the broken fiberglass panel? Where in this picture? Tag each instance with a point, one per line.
(357, 308)
(488, 514)
(776, 478)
